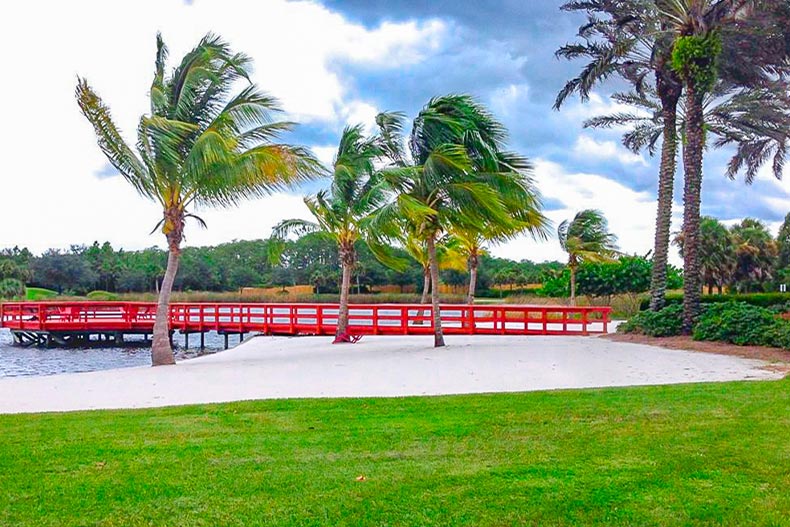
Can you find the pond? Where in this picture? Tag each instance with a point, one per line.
(18, 361)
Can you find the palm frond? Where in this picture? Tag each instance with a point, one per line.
(111, 143)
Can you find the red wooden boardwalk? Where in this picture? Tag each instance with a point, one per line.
(303, 319)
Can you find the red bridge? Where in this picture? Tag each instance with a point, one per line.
(62, 322)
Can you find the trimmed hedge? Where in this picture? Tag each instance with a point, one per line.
(766, 300)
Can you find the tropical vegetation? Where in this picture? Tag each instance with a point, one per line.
(705, 50)
(586, 238)
(199, 146)
(456, 173)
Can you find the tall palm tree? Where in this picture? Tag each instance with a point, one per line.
(199, 146)
(357, 190)
(626, 39)
(635, 39)
(456, 171)
(701, 28)
(586, 238)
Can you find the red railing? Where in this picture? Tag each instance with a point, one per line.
(305, 319)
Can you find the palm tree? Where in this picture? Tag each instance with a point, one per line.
(717, 253)
(627, 39)
(698, 27)
(473, 238)
(456, 171)
(756, 253)
(586, 238)
(635, 39)
(198, 147)
(357, 190)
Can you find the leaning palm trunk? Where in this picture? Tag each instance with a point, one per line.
(666, 182)
(692, 164)
(426, 289)
(438, 336)
(426, 285)
(573, 285)
(161, 350)
(347, 261)
(473, 263)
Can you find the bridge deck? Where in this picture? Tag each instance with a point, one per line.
(304, 319)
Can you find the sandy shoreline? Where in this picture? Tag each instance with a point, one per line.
(282, 367)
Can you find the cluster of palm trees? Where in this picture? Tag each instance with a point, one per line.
(451, 176)
(447, 187)
(698, 69)
(742, 257)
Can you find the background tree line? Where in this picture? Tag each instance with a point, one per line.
(311, 259)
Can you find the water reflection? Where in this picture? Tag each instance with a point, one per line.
(17, 361)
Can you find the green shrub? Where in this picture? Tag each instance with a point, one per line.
(664, 323)
(741, 324)
(102, 296)
(11, 288)
(767, 300)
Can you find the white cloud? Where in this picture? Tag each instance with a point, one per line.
(596, 106)
(52, 196)
(587, 146)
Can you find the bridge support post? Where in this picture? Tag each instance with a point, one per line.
(202, 340)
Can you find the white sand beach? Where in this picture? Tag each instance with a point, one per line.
(283, 367)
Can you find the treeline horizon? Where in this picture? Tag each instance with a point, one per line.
(309, 260)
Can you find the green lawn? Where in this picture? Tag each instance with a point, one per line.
(680, 455)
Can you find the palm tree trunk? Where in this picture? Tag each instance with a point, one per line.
(161, 350)
(573, 285)
(438, 337)
(473, 263)
(692, 164)
(347, 261)
(426, 285)
(666, 182)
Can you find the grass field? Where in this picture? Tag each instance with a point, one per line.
(716, 454)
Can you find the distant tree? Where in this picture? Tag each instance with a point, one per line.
(755, 255)
(11, 288)
(586, 238)
(716, 253)
(198, 147)
(63, 272)
(783, 241)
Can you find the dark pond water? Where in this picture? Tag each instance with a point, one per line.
(18, 361)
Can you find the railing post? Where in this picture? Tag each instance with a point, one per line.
(375, 320)
(605, 321)
(584, 323)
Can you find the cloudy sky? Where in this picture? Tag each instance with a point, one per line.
(330, 63)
